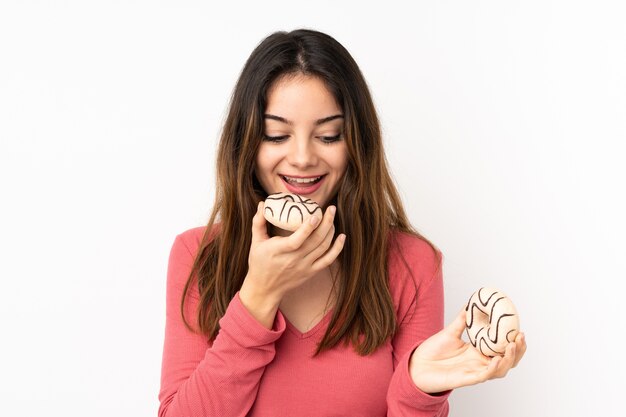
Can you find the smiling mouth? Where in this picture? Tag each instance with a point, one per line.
(302, 181)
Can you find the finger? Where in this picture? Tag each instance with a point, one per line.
(486, 373)
(259, 224)
(294, 241)
(492, 368)
(331, 255)
(321, 248)
(300, 238)
(320, 235)
(457, 327)
(520, 342)
(507, 360)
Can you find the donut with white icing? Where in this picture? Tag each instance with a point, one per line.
(491, 321)
(288, 211)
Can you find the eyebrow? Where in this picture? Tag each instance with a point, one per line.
(317, 122)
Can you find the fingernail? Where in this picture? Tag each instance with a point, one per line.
(314, 220)
(332, 210)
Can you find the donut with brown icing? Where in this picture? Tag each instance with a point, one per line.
(288, 211)
(491, 321)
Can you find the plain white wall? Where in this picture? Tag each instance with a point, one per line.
(504, 124)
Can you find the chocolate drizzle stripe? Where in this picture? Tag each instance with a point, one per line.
(476, 336)
(295, 207)
(498, 327)
(280, 216)
(480, 298)
(492, 307)
(280, 196)
(507, 335)
(482, 343)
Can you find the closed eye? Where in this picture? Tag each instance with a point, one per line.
(275, 138)
(330, 139)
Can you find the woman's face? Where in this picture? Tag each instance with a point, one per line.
(303, 149)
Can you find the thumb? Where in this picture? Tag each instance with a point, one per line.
(457, 327)
(259, 224)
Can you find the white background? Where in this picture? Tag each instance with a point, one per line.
(504, 125)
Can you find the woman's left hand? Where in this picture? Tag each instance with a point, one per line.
(444, 361)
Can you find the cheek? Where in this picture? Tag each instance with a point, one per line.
(264, 164)
(340, 160)
(262, 177)
(262, 161)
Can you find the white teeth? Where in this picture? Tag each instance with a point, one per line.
(301, 180)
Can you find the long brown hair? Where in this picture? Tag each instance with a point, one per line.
(368, 204)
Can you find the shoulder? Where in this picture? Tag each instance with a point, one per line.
(413, 252)
(185, 249)
(189, 240)
(182, 256)
(412, 262)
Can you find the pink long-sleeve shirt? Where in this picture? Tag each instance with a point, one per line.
(249, 370)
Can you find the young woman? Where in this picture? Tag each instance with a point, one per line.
(342, 317)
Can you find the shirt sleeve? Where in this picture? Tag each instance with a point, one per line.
(416, 282)
(200, 378)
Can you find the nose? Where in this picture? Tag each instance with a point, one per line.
(302, 153)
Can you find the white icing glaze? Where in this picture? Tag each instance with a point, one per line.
(491, 321)
(288, 211)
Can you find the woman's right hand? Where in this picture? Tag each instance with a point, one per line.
(278, 264)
